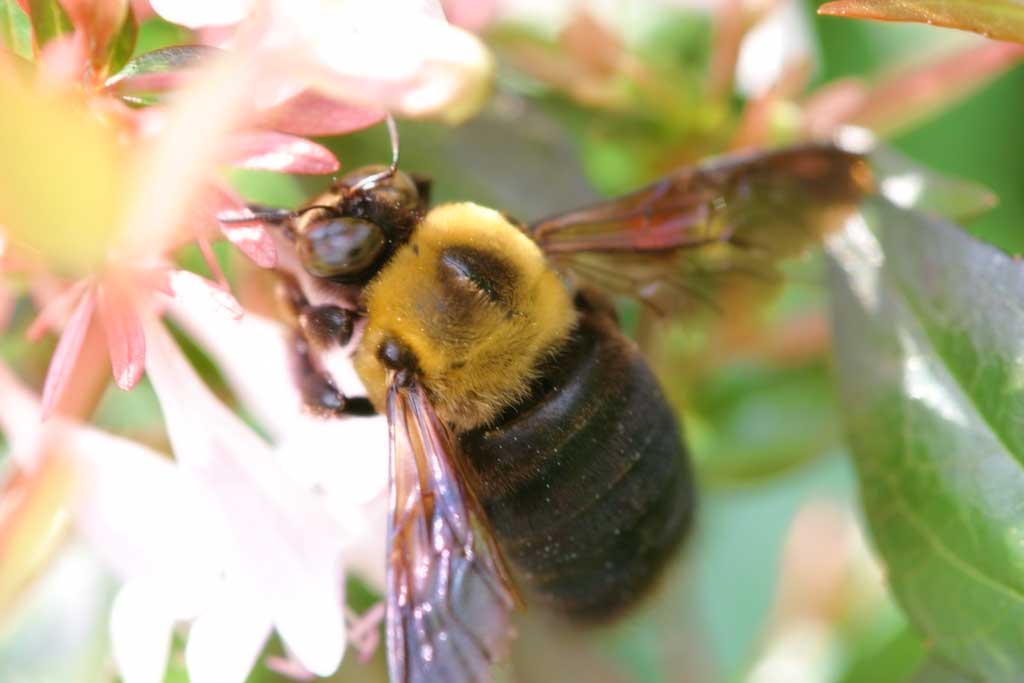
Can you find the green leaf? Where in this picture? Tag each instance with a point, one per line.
(929, 337)
(999, 19)
(123, 44)
(49, 20)
(15, 29)
(936, 670)
(163, 62)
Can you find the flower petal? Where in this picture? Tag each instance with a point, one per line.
(54, 309)
(224, 642)
(270, 151)
(173, 172)
(19, 418)
(252, 239)
(472, 15)
(193, 290)
(286, 550)
(125, 341)
(310, 113)
(196, 13)
(435, 70)
(64, 356)
(140, 634)
(237, 347)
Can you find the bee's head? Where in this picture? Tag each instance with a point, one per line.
(347, 235)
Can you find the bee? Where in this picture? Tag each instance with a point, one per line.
(533, 456)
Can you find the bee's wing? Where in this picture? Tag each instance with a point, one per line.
(706, 230)
(449, 597)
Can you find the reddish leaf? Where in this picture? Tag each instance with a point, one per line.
(100, 21)
(909, 95)
(310, 113)
(126, 342)
(999, 19)
(64, 356)
(49, 20)
(270, 151)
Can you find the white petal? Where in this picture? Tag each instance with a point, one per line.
(314, 635)
(137, 510)
(20, 420)
(140, 632)
(253, 355)
(284, 550)
(196, 13)
(430, 67)
(346, 459)
(224, 642)
(769, 48)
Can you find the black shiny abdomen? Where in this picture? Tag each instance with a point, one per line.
(586, 485)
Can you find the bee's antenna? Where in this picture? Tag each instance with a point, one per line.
(370, 181)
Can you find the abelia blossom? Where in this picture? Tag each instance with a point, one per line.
(233, 537)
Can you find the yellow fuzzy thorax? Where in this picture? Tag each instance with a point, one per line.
(474, 299)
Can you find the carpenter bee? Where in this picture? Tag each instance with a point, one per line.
(533, 456)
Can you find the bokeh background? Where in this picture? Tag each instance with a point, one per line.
(779, 584)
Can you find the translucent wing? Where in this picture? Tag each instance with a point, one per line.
(449, 598)
(710, 231)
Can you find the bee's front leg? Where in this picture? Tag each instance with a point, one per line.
(319, 329)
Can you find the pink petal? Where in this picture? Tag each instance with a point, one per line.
(270, 151)
(125, 341)
(310, 113)
(23, 4)
(252, 239)
(472, 15)
(63, 59)
(142, 10)
(211, 261)
(66, 353)
(193, 290)
(48, 318)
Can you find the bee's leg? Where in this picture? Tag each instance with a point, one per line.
(320, 328)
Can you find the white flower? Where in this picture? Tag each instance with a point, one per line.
(396, 55)
(226, 538)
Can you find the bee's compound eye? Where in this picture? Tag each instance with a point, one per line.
(340, 247)
(399, 190)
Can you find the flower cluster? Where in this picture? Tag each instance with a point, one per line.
(242, 534)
